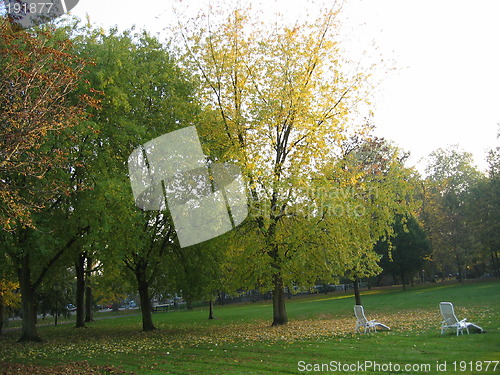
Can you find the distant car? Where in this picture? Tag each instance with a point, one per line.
(70, 307)
(132, 305)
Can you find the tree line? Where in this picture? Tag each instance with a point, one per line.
(327, 199)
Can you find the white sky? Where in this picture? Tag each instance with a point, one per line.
(447, 88)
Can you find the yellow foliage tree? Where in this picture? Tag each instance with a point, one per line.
(282, 106)
(9, 298)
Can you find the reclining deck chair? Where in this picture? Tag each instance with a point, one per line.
(451, 320)
(362, 322)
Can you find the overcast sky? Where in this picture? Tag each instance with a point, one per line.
(447, 86)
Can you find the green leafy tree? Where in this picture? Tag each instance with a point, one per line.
(146, 259)
(482, 208)
(198, 270)
(451, 175)
(144, 95)
(405, 253)
(56, 292)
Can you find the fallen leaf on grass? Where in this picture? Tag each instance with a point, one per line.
(74, 368)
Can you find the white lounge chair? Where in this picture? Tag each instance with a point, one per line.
(362, 322)
(451, 320)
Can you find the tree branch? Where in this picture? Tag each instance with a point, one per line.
(61, 251)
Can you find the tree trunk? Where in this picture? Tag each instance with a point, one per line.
(89, 300)
(403, 280)
(142, 283)
(459, 267)
(80, 290)
(279, 309)
(495, 262)
(1, 313)
(357, 294)
(89, 303)
(221, 298)
(28, 307)
(211, 310)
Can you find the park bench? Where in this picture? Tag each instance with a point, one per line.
(163, 307)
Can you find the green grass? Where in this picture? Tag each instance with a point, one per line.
(241, 340)
(50, 320)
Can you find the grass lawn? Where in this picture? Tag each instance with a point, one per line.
(241, 341)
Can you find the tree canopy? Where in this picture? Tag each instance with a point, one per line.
(326, 198)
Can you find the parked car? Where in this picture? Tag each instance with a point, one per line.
(70, 307)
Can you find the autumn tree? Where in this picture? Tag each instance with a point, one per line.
(38, 75)
(9, 286)
(282, 104)
(373, 187)
(9, 299)
(38, 117)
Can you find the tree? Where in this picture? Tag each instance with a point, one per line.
(281, 102)
(39, 72)
(374, 187)
(146, 259)
(198, 270)
(37, 114)
(145, 95)
(404, 254)
(451, 174)
(56, 292)
(89, 296)
(9, 299)
(482, 211)
(80, 288)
